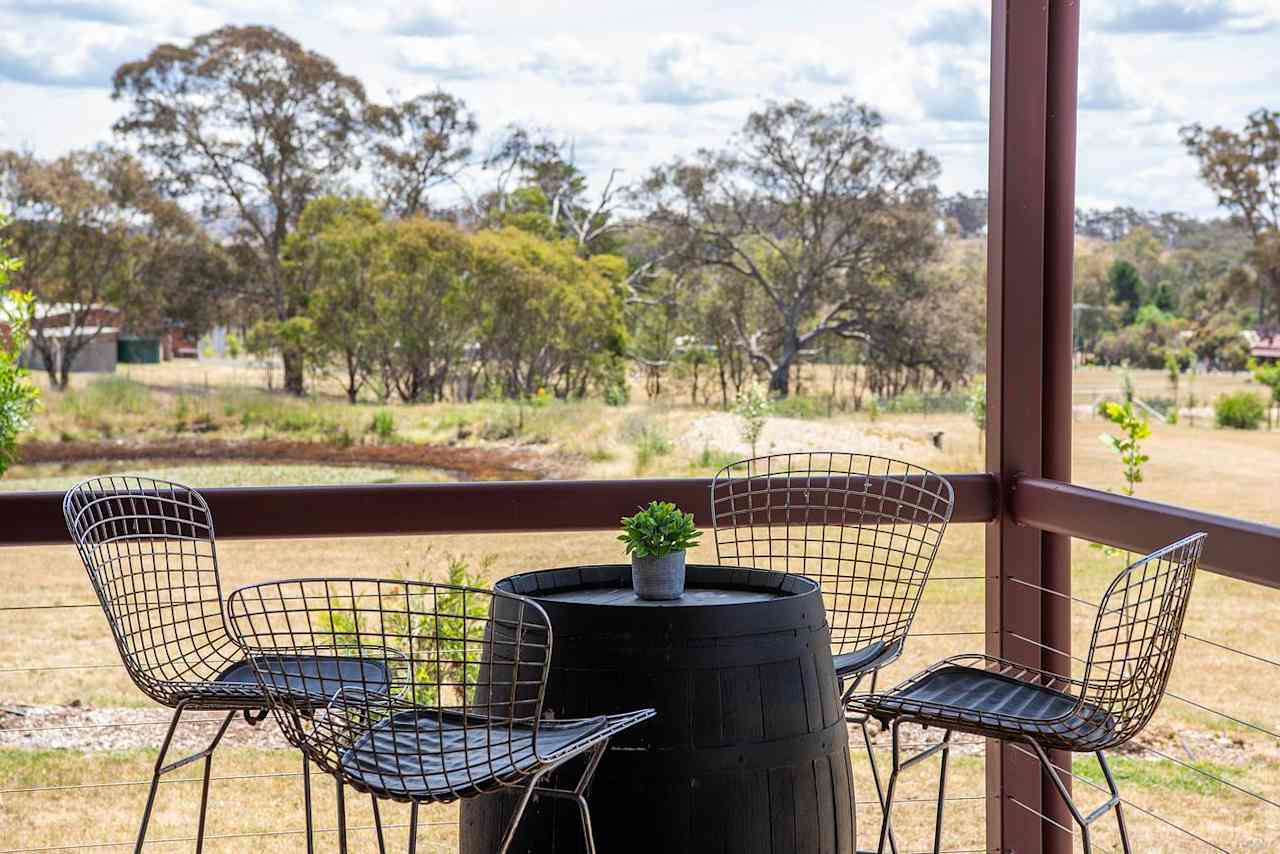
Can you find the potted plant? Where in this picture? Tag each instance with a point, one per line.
(657, 538)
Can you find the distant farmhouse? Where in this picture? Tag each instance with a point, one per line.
(98, 337)
(1264, 349)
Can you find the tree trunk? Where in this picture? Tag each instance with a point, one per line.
(293, 379)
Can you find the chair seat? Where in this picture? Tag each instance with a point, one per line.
(434, 755)
(870, 657)
(998, 706)
(310, 680)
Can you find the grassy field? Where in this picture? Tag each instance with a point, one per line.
(1224, 471)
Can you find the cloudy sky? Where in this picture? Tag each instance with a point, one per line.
(633, 82)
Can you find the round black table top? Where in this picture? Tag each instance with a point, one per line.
(706, 585)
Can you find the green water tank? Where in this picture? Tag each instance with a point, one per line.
(138, 351)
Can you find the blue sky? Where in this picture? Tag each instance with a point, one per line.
(634, 83)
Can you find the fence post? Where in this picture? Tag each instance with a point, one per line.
(1034, 56)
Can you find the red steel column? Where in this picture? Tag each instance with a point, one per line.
(1034, 60)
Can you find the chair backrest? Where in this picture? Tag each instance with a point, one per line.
(1136, 634)
(391, 654)
(148, 546)
(866, 528)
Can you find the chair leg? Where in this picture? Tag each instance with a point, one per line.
(875, 777)
(1080, 820)
(342, 819)
(413, 827)
(1115, 795)
(306, 802)
(584, 810)
(204, 788)
(377, 825)
(519, 813)
(155, 777)
(942, 792)
(885, 828)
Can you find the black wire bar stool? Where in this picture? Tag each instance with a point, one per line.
(866, 528)
(1135, 636)
(149, 548)
(461, 714)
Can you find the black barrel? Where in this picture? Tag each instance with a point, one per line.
(748, 752)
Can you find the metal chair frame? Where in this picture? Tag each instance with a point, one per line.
(1135, 636)
(461, 714)
(888, 518)
(150, 551)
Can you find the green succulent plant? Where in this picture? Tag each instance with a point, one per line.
(659, 529)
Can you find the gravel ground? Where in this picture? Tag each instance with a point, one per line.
(83, 728)
(723, 431)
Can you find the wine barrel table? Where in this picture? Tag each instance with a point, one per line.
(748, 753)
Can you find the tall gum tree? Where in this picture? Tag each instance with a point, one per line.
(809, 208)
(251, 124)
(1243, 170)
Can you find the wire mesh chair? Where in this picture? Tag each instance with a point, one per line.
(1131, 654)
(866, 528)
(462, 712)
(149, 548)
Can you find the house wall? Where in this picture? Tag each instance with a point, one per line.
(98, 357)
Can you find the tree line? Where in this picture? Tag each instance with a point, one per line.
(256, 185)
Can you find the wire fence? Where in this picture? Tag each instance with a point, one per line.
(1140, 747)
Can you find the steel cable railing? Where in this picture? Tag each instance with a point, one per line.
(1256, 657)
(1261, 798)
(80, 846)
(1123, 800)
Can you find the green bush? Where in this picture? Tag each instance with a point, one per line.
(915, 403)
(110, 394)
(1243, 410)
(714, 458)
(383, 425)
(799, 407)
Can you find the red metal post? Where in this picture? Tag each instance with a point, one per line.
(1032, 203)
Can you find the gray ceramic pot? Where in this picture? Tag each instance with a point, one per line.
(658, 577)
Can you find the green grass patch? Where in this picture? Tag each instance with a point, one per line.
(108, 395)
(1158, 774)
(714, 459)
(277, 414)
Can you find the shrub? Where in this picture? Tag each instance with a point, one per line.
(915, 403)
(754, 408)
(383, 425)
(714, 458)
(650, 443)
(107, 395)
(1243, 410)
(799, 407)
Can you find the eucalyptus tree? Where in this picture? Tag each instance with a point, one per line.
(1243, 170)
(418, 145)
(95, 233)
(254, 126)
(810, 208)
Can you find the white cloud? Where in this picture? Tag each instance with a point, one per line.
(964, 25)
(454, 58)
(688, 70)
(1186, 17)
(1102, 86)
(67, 54)
(954, 92)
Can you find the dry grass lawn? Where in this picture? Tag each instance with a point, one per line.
(98, 797)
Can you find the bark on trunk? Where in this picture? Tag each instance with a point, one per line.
(293, 378)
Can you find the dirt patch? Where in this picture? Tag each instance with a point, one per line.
(464, 463)
(81, 728)
(723, 431)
